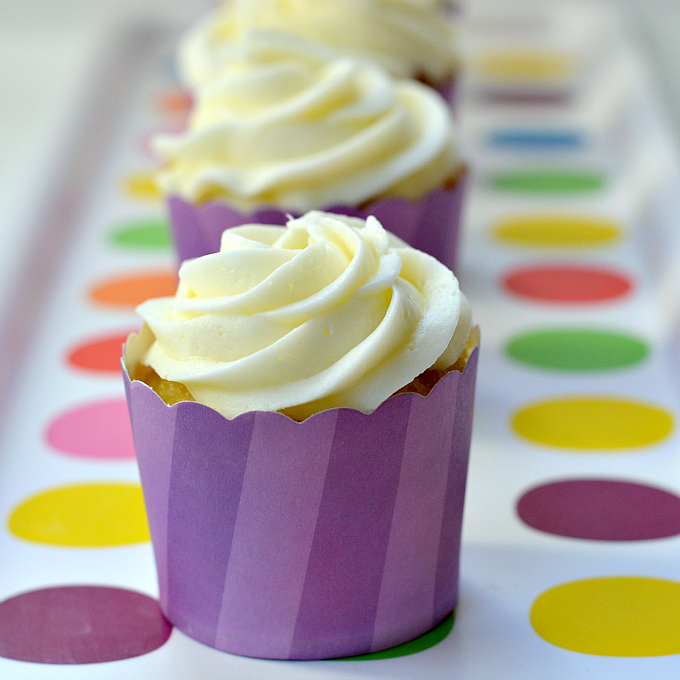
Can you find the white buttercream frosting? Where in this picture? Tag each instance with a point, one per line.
(288, 126)
(409, 38)
(327, 311)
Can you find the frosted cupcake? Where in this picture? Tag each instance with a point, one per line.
(409, 39)
(289, 128)
(308, 504)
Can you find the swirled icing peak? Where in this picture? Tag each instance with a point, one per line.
(409, 38)
(288, 126)
(327, 311)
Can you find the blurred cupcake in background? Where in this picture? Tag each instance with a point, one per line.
(290, 126)
(409, 38)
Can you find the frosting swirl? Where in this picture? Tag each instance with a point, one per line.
(409, 38)
(290, 127)
(327, 311)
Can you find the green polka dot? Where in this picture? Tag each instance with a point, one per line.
(150, 234)
(419, 644)
(576, 350)
(547, 181)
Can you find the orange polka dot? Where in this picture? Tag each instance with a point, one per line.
(133, 289)
(173, 101)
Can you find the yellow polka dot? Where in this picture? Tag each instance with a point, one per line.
(556, 230)
(592, 423)
(524, 66)
(614, 616)
(141, 186)
(83, 516)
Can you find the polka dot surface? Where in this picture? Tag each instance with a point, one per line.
(547, 181)
(525, 66)
(536, 139)
(147, 139)
(612, 616)
(145, 234)
(601, 510)
(525, 98)
(590, 422)
(131, 290)
(556, 230)
(574, 349)
(419, 644)
(80, 624)
(173, 101)
(140, 186)
(566, 284)
(100, 430)
(100, 354)
(96, 515)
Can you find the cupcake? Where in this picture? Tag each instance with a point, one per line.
(290, 127)
(308, 503)
(409, 39)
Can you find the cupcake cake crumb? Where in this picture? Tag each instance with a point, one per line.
(170, 392)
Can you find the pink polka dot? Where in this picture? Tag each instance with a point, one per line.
(97, 430)
(80, 624)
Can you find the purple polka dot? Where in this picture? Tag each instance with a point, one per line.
(80, 624)
(601, 510)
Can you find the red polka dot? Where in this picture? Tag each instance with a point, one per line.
(566, 284)
(98, 430)
(101, 354)
(80, 624)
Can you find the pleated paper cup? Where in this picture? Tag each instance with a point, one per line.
(430, 224)
(326, 538)
(447, 88)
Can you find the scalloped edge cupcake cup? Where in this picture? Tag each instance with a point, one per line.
(431, 224)
(331, 537)
(446, 88)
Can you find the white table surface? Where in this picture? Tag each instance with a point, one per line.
(48, 53)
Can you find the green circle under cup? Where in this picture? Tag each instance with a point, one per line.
(419, 644)
(144, 234)
(577, 349)
(547, 181)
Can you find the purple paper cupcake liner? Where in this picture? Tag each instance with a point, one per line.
(332, 537)
(447, 89)
(430, 225)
